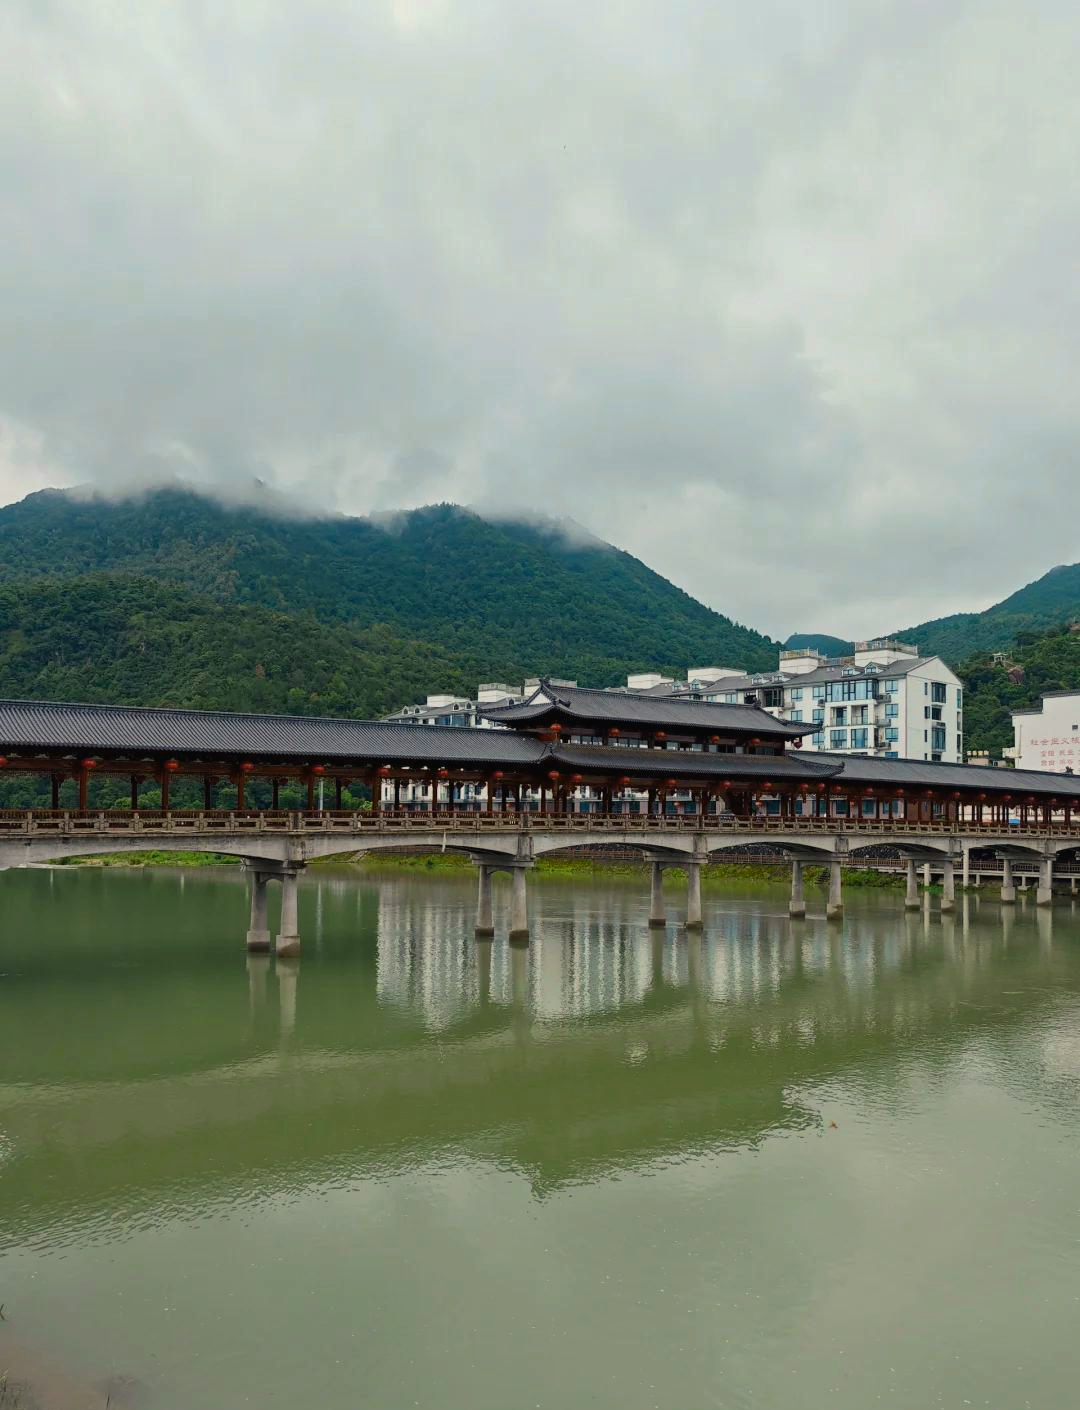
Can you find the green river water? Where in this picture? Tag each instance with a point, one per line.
(776, 1165)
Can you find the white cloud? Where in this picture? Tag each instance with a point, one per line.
(781, 298)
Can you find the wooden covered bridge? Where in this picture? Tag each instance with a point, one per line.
(681, 780)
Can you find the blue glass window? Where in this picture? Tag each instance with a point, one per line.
(838, 739)
(858, 738)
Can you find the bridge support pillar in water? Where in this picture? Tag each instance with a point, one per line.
(519, 915)
(911, 896)
(797, 904)
(288, 941)
(948, 887)
(656, 896)
(1008, 890)
(834, 910)
(258, 936)
(485, 929)
(693, 895)
(1044, 896)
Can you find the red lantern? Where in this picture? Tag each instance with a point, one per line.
(575, 778)
(318, 769)
(726, 783)
(956, 795)
(1030, 798)
(89, 764)
(614, 732)
(714, 739)
(3, 761)
(247, 768)
(623, 783)
(385, 771)
(804, 788)
(899, 793)
(1006, 797)
(171, 765)
(555, 729)
(671, 783)
(444, 773)
(497, 775)
(982, 797)
(755, 741)
(821, 788)
(554, 775)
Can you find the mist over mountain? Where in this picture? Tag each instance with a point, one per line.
(171, 595)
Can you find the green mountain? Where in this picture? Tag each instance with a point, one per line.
(1050, 600)
(1039, 662)
(173, 597)
(819, 641)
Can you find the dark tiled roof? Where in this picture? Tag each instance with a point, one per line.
(659, 712)
(921, 773)
(687, 764)
(137, 732)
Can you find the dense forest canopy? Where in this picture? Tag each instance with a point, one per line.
(463, 599)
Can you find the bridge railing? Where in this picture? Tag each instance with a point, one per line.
(202, 821)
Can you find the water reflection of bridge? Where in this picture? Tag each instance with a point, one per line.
(602, 1047)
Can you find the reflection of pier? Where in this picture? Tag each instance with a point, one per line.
(602, 1046)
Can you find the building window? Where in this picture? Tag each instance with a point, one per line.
(937, 738)
(892, 710)
(959, 697)
(931, 712)
(839, 715)
(858, 714)
(858, 738)
(892, 687)
(796, 717)
(838, 739)
(937, 693)
(818, 740)
(819, 717)
(819, 692)
(892, 754)
(892, 734)
(796, 693)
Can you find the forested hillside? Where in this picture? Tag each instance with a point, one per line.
(1043, 604)
(172, 597)
(1048, 660)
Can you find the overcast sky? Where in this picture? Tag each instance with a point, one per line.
(781, 297)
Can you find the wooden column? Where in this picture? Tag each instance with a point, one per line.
(310, 792)
(375, 784)
(134, 793)
(83, 776)
(337, 793)
(208, 792)
(275, 787)
(397, 793)
(164, 790)
(240, 780)
(57, 780)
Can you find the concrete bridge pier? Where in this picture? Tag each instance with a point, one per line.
(948, 887)
(911, 897)
(797, 904)
(288, 941)
(1044, 896)
(693, 895)
(657, 917)
(258, 936)
(1008, 890)
(834, 910)
(485, 928)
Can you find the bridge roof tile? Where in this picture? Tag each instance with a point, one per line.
(138, 731)
(651, 711)
(684, 764)
(923, 773)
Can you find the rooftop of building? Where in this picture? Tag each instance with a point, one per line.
(647, 711)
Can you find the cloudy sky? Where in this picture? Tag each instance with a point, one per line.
(781, 296)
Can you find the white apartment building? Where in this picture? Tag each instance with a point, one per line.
(884, 700)
(1048, 738)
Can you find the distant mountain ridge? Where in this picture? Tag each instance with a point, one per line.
(1047, 602)
(173, 595)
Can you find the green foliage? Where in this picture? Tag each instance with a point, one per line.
(818, 641)
(1050, 661)
(346, 615)
(1043, 604)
